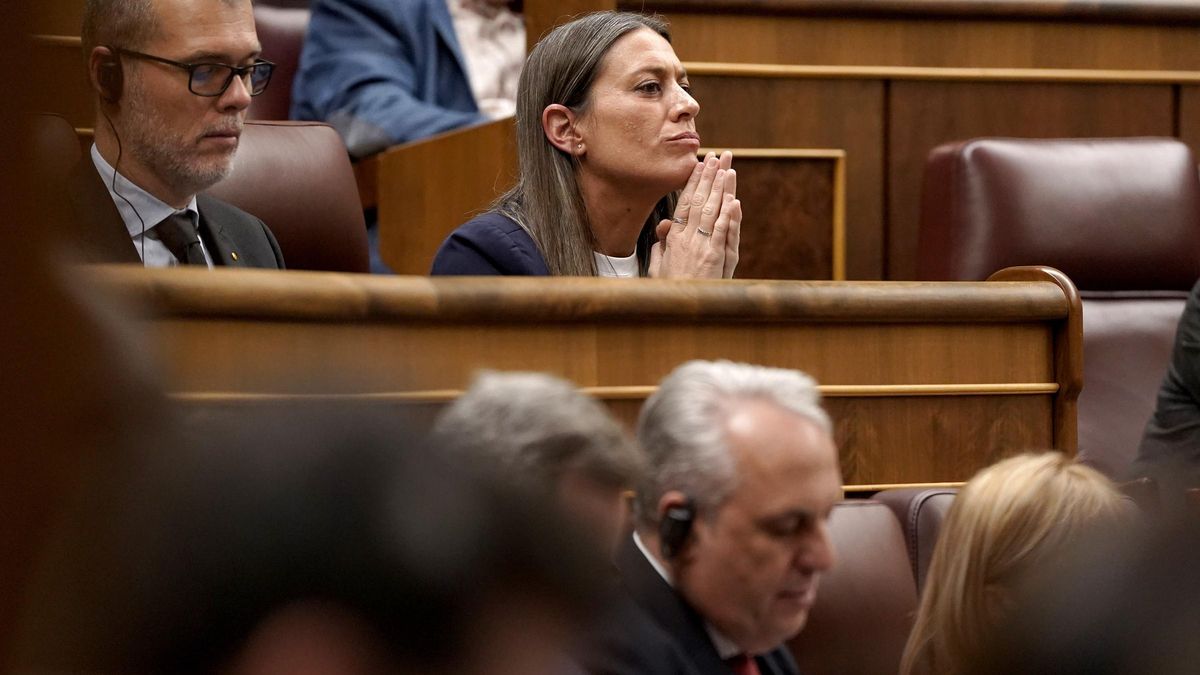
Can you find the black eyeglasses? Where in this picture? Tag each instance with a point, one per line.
(212, 79)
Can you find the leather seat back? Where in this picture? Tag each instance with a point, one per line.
(921, 512)
(56, 148)
(1127, 343)
(296, 177)
(1112, 214)
(865, 604)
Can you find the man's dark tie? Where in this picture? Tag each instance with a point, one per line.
(179, 235)
(743, 664)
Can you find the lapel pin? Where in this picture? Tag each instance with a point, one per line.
(233, 254)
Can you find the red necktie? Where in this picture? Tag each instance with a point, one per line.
(743, 664)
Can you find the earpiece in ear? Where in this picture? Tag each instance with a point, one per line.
(675, 527)
(110, 77)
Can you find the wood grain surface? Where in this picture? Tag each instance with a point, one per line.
(926, 381)
(801, 113)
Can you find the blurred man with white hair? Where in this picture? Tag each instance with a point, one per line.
(731, 518)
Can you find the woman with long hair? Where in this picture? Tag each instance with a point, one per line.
(1010, 520)
(606, 138)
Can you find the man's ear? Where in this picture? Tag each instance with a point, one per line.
(559, 123)
(105, 74)
(676, 515)
(671, 499)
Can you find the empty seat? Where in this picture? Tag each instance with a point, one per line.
(1121, 217)
(921, 512)
(1117, 214)
(297, 178)
(865, 604)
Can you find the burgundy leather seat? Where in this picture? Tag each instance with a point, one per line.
(297, 178)
(921, 512)
(294, 175)
(865, 604)
(56, 146)
(281, 31)
(1127, 344)
(1116, 214)
(1121, 217)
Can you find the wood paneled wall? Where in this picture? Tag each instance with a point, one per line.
(935, 41)
(888, 120)
(927, 382)
(763, 112)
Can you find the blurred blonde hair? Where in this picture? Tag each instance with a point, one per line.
(1008, 519)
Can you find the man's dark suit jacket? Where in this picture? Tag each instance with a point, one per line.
(1170, 448)
(654, 632)
(489, 244)
(226, 229)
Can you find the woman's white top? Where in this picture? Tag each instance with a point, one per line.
(621, 268)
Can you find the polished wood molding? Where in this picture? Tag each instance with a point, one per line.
(1118, 11)
(1068, 347)
(632, 393)
(1062, 75)
(73, 41)
(328, 296)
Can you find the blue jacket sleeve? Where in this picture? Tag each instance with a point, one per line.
(489, 245)
(382, 72)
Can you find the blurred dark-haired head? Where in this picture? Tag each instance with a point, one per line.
(317, 541)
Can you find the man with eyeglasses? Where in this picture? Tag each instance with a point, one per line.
(173, 79)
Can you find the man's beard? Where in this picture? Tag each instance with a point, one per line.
(173, 158)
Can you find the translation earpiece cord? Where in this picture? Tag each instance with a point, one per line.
(116, 168)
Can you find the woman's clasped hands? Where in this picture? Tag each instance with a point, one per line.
(701, 240)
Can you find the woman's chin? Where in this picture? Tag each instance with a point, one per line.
(681, 174)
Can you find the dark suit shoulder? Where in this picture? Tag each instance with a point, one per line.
(489, 244)
(651, 630)
(90, 217)
(629, 642)
(233, 230)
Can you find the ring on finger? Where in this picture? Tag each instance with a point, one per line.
(707, 234)
(679, 221)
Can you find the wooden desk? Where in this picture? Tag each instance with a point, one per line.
(926, 382)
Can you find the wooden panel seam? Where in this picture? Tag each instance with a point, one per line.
(1079, 75)
(642, 392)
